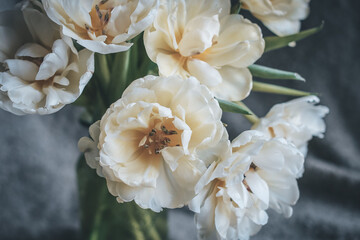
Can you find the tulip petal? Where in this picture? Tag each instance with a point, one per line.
(198, 35)
(281, 17)
(258, 186)
(56, 61)
(207, 8)
(170, 64)
(205, 73)
(23, 69)
(281, 27)
(103, 48)
(13, 32)
(239, 44)
(270, 157)
(236, 84)
(41, 29)
(33, 50)
(169, 192)
(205, 220)
(222, 221)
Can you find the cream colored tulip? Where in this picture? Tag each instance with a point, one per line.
(40, 71)
(103, 26)
(235, 192)
(297, 121)
(225, 206)
(156, 141)
(273, 161)
(282, 17)
(202, 39)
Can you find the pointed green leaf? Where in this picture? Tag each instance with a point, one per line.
(227, 106)
(272, 73)
(271, 88)
(252, 118)
(272, 43)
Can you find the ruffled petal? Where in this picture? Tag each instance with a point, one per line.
(236, 84)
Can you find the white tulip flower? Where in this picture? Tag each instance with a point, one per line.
(282, 17)
(275, 162)
(225, 205)
(40, 71)
(297, 121)
(157, 141)
(102, 26)
(202, 39)
(235, 192)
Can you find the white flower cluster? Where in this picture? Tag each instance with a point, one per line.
(40, 70)
(162, 144)
(260, 172)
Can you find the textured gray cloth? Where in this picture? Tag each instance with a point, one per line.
(38, 191)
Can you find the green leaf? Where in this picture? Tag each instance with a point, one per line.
(252, 118)
(271, 88)
(272, 73)
(227, 106)
(103, 218)
(272, 43)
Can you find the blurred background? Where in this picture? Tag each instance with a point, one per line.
(38, 154)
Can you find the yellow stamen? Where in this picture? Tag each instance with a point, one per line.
(161, 136)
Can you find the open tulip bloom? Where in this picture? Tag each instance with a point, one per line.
(154, 78)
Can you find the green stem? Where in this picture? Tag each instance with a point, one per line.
(102, 69)
(138, 234)
(125, 67)
(94, 235)
(102, 76)
(149, 226)
(252, 118)
(275, 89)
(100, 106)
(133, 65)
(119, 76)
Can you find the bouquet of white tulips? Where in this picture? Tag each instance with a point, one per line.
(154, 77)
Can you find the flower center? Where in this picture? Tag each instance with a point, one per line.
(100, 15)
(163, 134)
(253, 167)
(247, 186)
(40, 84)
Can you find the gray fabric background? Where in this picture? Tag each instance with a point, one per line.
(38, 193)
